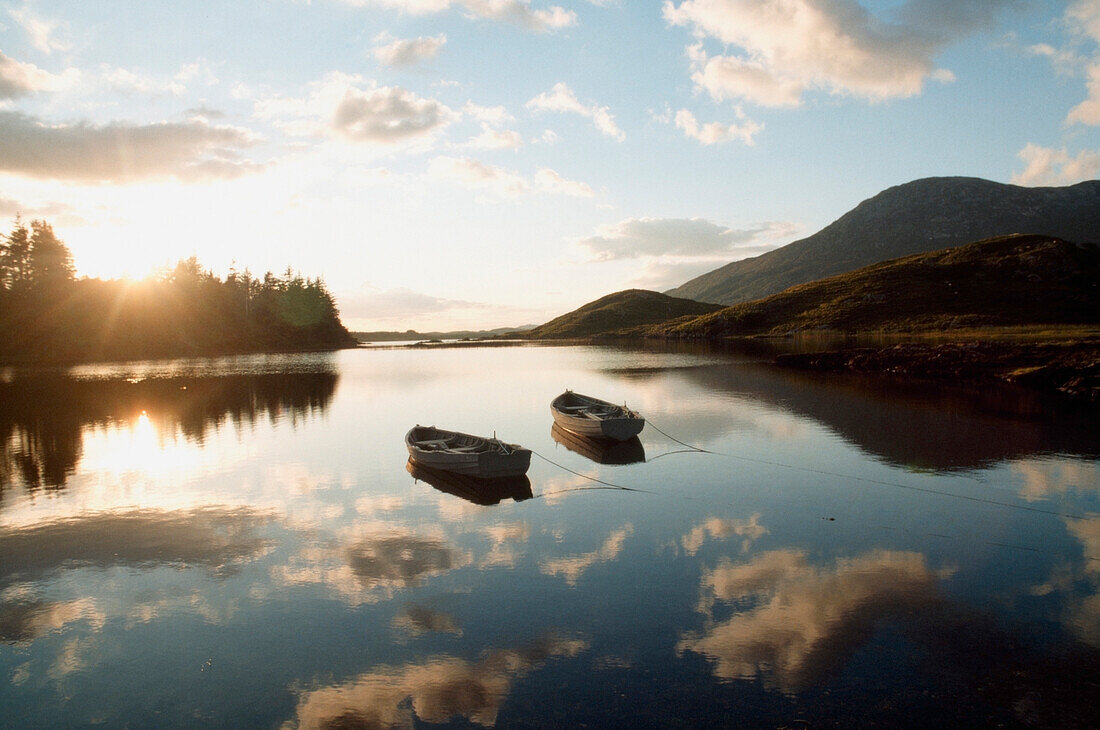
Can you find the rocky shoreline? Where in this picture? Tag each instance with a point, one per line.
(1069, 368)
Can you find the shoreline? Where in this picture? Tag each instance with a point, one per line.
(1071, 369)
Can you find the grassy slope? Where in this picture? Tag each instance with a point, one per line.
(620, 311)
(1005, 281)
(917, 217)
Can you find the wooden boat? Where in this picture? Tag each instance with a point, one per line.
(485, 492)
(595, 418)
(463, 453)
(601, 451)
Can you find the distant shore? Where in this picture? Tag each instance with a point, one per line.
(1071, 368)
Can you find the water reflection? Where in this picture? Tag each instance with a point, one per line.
(214, 539)
(485, 492)
(917, 426)
(799, 623)
(435, 690)
(374, 564)
(630, 451)
(43, 420)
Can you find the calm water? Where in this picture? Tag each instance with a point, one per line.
(238, 542)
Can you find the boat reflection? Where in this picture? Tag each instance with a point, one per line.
(486, 492)
(630, 451)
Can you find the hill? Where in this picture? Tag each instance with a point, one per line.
(619, 311)
(917, 217)
(998, 282)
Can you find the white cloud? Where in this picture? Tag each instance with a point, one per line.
(409, 52)
(551, 182)
(493, 115)
(358, 110)
(23, 79)
(637, 237)
(837, 46)
(496, 139)
(42, 33)
(519, 12)
(400, 305)
(1088, 111)
(562, 99)
(1049, 166)
(716, 132)
(121, 152)
(478, 175)
(504, 183)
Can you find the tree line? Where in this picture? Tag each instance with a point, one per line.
(47, 314)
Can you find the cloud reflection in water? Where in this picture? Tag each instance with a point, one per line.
(804, 620)
(435, 690)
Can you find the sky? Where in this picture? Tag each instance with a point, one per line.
(452, 164)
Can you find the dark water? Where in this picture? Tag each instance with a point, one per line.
(238, 542)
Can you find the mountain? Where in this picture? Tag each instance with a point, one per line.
(619, 311)
(917, 217)
(1004, 281)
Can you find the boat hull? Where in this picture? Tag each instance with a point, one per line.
(484, 458)
(621, 424)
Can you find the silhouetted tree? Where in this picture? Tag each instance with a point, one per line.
(50, 261)
(15, 251)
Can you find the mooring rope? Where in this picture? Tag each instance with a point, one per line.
(880, 482)
(604, 484)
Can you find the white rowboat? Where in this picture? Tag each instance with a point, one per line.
(463, 453)
(595, 418)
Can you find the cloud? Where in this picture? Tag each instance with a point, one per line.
(837, 46)
(478, 175)
(386, 115)
(121, 152)
(801, 622)
(42, 33)
(495, 139)
(716, 132)
(637, 237)
(1048, 166)
(356, 109)
(481, 176)
(400, 304)
(402, 52)
(436, 690)
(518, 12)
(23, 79)
(549, 181)
(1088, 111)
(571, 568)
(419, 620)
(715, 527)
(216, 539)
(562, 99)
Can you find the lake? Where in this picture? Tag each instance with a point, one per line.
(239, 542)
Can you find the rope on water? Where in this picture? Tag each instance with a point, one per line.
(603, 484)
(880, 482)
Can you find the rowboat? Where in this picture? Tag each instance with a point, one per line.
(485, 492)
(463, 453)
(601, 451)
(595, 418)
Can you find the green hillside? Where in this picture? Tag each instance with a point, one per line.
(1005, 281)
(620, 311)
(917, 217)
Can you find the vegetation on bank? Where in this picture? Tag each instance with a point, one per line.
(48, 315)
(619, 312)
(999, 282)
